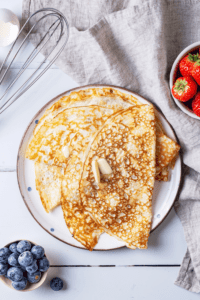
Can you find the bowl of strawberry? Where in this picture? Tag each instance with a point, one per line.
(185, 80)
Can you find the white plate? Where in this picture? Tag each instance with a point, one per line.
(163, 196)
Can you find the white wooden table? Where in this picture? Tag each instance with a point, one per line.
(118, 274)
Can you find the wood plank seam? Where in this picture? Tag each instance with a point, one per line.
(3, 169)
(111, 266)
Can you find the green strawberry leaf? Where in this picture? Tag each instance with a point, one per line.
(197, 63)
(193, 57)
(180, 85)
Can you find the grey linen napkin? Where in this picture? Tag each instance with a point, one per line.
(133, 44)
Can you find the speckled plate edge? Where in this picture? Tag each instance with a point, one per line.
(67, 93)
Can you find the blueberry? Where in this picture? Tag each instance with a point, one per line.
(33, 267)
(32, 245)
(20, 285)
(23, 246)
(23, 268)
(35, 277)
(43, 264)
(56, 284)
(25, 259)
(37, 251)
(3, 269)
(13, 259)
(13, 248)
(15, 274)
(4, 253)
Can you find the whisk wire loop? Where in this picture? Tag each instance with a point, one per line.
(61, 22)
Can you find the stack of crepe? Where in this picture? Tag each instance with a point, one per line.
(88, 126)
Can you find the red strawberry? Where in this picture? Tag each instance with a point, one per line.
(196, 104)
(196, 71)
(184, 88)
(186, 64)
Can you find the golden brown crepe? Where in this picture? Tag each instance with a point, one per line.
(48, 181)
(121, 202)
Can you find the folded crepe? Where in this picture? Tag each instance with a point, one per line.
(121, 202)
(48, 181)
(166, 153)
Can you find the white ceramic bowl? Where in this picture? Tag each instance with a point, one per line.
(172, 78)
(30, 286)
(9, 27)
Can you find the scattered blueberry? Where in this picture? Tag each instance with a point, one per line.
(52, 229)
(36, 121)
(29, 189)
(25, 259)
(20, 285)
(4, 253)
(13, 248)
(56, 284)
(15, 274)
(43, 264)
(3, 269)
(35, 277)
(23, 246)
(13, 259)
(37, 251)
(33, 267)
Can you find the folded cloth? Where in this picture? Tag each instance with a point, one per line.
(133, 44)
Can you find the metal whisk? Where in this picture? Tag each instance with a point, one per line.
(61, 27)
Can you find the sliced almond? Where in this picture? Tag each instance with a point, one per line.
(104, 166)
(65, 151)
(95, 170)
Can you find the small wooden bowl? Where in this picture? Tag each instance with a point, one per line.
(30, 286)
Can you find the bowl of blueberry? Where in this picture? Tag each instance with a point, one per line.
(23, 265)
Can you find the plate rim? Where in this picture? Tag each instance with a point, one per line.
(45, 106)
